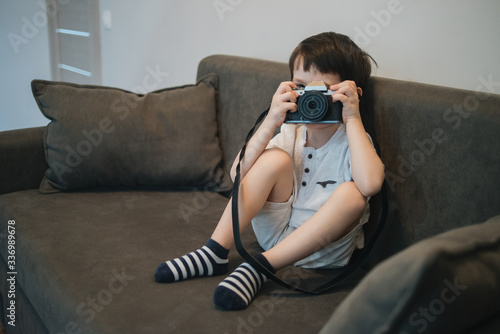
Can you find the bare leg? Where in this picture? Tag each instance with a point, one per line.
(269, 179)
(338, 215)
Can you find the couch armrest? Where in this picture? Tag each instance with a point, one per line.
(22, 159)
(447, 283)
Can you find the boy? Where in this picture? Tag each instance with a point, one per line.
(301, 190)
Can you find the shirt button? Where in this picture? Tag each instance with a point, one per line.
(310, 156)
(306, 170)
(304, 183)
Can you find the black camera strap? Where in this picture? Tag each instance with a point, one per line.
(347, 271)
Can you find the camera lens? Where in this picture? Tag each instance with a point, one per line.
(312, 106)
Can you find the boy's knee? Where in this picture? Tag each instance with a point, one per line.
(277, 160)
(276, 168)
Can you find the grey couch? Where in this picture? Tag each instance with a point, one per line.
(92, 216)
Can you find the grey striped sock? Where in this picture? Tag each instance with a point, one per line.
(209, 260)
(237, 291)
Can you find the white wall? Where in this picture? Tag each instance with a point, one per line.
(158, 43)
(27, 57)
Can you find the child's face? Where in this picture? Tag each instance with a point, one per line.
(301, 77)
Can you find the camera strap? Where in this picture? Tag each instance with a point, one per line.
(379, 218)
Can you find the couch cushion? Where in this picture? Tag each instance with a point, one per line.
(101, 136)
(446, 284)
(90, 269)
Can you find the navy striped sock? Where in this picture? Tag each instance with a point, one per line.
(237, 291)
(209, 260)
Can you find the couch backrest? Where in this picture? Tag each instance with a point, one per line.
(246, 87)
(440, 146)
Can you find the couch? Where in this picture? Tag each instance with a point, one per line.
(117, 182)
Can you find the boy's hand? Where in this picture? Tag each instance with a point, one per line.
(347, 93)
(284, 99)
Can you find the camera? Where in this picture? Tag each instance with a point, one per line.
(315, 105)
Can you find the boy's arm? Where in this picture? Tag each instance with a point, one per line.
(367, 168)
(283, 100)
(255, 146)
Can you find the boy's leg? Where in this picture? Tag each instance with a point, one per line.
(271, 178)
(339, 215)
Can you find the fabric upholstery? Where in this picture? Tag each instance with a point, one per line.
(108, 137)
(22, 159)
(445, 284)
(92, 267)
(246, 87)
(441, 150)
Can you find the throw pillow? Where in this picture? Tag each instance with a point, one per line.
(449, 283)
(108, 137)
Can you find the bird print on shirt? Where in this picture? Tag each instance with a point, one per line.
(325, 183)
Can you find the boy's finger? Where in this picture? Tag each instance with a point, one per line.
(289, 84)
(290, 97)
(334, 87)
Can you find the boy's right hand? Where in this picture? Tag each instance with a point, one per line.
(284, 99)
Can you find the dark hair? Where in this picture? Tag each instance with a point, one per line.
(333, 53)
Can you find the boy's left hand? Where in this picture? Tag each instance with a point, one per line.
(347, 93)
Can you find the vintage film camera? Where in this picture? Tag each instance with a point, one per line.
(315, 105)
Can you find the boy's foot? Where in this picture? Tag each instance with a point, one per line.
(209, 260)
(237, 291)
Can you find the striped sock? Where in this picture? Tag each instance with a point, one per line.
(209, 260)
(237, 291)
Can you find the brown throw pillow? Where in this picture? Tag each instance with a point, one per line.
(108, 137)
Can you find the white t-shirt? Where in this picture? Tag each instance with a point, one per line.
(318, 172)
